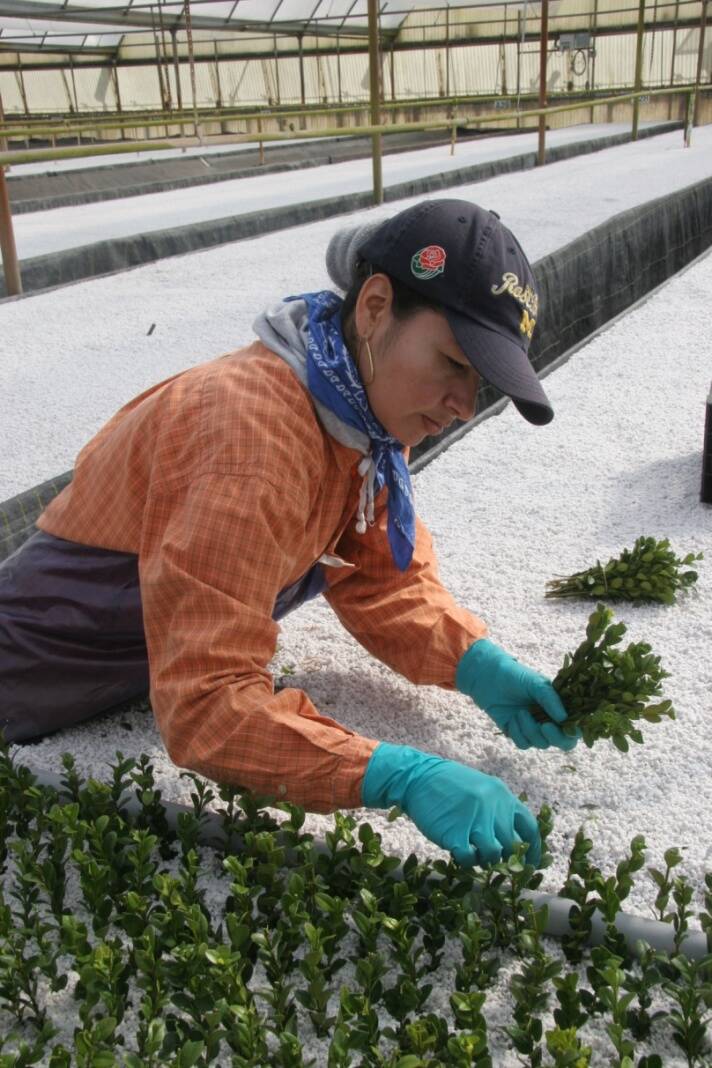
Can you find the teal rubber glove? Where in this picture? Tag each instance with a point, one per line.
(473, 815)
(506, 691)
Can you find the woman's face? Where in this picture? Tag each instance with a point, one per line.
(422, 379)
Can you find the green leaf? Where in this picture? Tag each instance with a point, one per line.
(103, 1059)
(190, 1053)
(104, 1029)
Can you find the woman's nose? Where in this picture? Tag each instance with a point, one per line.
(463, 398)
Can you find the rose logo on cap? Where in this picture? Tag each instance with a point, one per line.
(429, 262)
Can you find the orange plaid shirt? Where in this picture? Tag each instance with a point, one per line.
(224, 483)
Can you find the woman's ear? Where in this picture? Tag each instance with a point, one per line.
(373, 304)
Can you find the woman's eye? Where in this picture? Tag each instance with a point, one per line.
(456, 364)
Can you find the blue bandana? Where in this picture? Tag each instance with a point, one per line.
(334, 380)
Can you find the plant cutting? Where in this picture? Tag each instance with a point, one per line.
(607, 690)
(649, 571)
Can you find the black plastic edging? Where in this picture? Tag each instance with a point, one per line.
(106, 257)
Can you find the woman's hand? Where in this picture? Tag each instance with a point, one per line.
(507, 691)
(473, 815)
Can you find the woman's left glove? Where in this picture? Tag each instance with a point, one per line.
(506, 690)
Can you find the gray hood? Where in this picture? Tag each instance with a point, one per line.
(284, 329)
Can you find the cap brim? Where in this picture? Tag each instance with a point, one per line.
(504, 364)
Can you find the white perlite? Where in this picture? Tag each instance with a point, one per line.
(89, 344)
(510, 506)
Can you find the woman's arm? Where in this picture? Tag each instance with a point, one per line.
(407, 619)
(215, 554)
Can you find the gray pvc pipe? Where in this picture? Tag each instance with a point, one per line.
(633, 928)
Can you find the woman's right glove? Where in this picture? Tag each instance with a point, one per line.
(508, 691)
(473, 815)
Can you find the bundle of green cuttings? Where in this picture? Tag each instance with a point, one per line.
(605, 689)
(649, 571)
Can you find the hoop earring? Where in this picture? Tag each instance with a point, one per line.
(370, 361)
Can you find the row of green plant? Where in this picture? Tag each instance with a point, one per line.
(336, 944)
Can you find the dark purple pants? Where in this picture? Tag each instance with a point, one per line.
(72, 642)
(71, 635)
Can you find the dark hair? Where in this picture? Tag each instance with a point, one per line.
(406, 301)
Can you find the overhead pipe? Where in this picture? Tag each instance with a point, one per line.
(113, 148)
(36, 155)
(232, 114)
(634, 929)
(30, 155)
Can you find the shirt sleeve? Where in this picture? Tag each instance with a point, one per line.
(213, 561)
(407, 619)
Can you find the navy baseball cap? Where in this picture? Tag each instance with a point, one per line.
(463, 258)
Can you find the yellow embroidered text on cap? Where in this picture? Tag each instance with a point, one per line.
(524, 294)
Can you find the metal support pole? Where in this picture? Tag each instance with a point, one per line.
(21, 86)
(67, 93)
(374, 72)
(3, 143)
(519, 60)
(218, 85)
(176, 68)
(159, 64)
(674, 56)
(11, 268)
(689, 113)
(700, 58)
(276, 70)
(447, 52)
(592, 80)
(164, 51)
(503, 53)
(117, 94)
(338, 67)
(543, 50)
(74, 85)
(638, 68)
(191, 60)
(302, 91)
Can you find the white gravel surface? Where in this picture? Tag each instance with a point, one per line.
(510, 505)
(41, 232)
(90, 342)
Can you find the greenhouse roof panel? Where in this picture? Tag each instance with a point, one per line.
(47, 23)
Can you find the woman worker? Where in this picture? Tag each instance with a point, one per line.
(222, 498)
